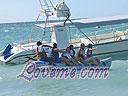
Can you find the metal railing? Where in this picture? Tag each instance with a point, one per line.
(113, 31)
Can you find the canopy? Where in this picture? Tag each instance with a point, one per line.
(87, 22)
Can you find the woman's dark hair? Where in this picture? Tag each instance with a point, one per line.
(90, 45)
(82, 44)
(71, 46)
(68, 48)
(54, 45)
(39, 43)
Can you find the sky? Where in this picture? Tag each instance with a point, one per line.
(28, 10)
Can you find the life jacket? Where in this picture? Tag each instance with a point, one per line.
(54, 54)
(67, 55)
(41, 54)
(88, 53)
(72, 53)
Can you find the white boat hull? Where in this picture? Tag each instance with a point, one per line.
(111, 47)
(19, 56)
(101, 49)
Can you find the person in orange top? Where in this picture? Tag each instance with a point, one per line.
(41, 54)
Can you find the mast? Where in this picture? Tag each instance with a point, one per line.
(61, 10)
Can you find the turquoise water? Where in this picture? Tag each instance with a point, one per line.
(115, 85)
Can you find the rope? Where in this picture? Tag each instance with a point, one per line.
(81, 31)
(30, 38)
(38, 17)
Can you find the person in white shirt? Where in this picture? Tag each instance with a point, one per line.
(67, 58)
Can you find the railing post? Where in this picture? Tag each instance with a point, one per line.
(95, 37)
(113, 34)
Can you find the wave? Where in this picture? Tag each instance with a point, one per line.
(6, 30)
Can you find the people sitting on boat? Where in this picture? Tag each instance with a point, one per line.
(41, 54)
(85, 56)
(67, 57)
(55, 53)
(72, 51)
(88, 55)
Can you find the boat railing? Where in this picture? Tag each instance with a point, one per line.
(104, 35)
(114, 35)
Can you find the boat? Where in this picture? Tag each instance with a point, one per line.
(104, 63)
(104, 43)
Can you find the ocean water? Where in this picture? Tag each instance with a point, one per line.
(115, 85)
